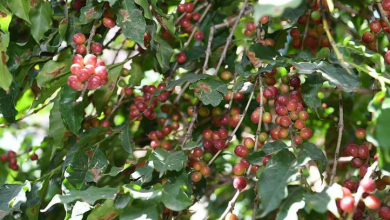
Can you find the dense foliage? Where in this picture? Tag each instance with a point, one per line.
(205, 109)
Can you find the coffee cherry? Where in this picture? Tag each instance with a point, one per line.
(372, 202)
(352, 150)
(368, 37)
(387, 56)
(363, 152)
(360, 133)
(248, 32)
(79, 38)
(295, 81)
(346, 191)
(223, 133)
(350, 184)
(231, 216)
(296, 43)
(205, 170)
(241, 151)
(303, 115)
(263, 137)
(181, 8)
(375, 26)
(357, 162)
(226, 75)
(90, 59)
(239, 169)
(285, 121)
(315, 15)
(267, 117)
(251, 26)
(77, 5)
(281, 110)
(295, 33)
(196, 176)
(368, 185)
(264, 20)
(347, 204)
(185, 23)
(108, 22)
(239, 183)
(306, 133)
(3, 158)
(219, 144)
(255, 116)
(297, 139)
(299, 124)
(101, 72)
(199, 36)
(196, 16)
(75, 83)
(386, 7)
(363, 170)
(96, 48)
(265, 159)
(81, 49)
(181, 58)
(302, 19)
(93, 83)
(249, 143)
(384, 211)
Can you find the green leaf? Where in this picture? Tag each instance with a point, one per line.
(131, 20)
(141, 210)
(190, 145)
(272, 184)
(56, 125)
(164, 52)
(293, 14)
(90, 196)
(164, 160)
(316, 154)
(137, 192)
(264, 53)
(272, 147)
(53, 69)
(12, 197)
(20, 8)
(324, 201)
(89, 13)
(126, 138)
(104, 93)
(5, 20)
(104, 211)
(174, 196)
(8, 102)
(256, 158)
(48, 91)
(310, 90)
(145, 172)
(210, 91)
(338, 76)
(71, 113)
(136, 74)
(324, 53)
(40, 17)
(360, 49)
(145, 7)
(189, 77)
(86, 166)
(62, 27)
(5, 75)
(273, 8)
(293, 203)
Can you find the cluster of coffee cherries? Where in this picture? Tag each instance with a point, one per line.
(158, 136)
(289, 108)
(141, 106)
(79, 39)
(251, 26)
(316, 34)
(197, 162)
(11, 158)
(88, 69)
(108, 17)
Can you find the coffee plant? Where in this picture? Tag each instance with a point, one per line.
(204, 109)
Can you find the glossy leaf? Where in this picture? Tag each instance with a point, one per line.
(272, 147)
(309, 92)
(210, 91)
(40, 17)
(12, 197)
(292, 204)
(57, 128)
(164, 160)
(71, 113)
(324, 201)
(174, 196)
(20, 8)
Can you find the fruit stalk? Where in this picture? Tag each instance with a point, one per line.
(340, 127)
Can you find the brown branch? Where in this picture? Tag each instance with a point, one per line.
(230, 206)
(339, 5)
(229, 39)
(360, 190)
(384, 17)
(260, 121)
(306, 27)
(91, 34)
(28, 115)
(238, 125)
(116, 106)
(340, 135)
(218, 26)
(191, 125)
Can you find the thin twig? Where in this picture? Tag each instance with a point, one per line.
(230, 206)
(238, 124)
(28, 115)
(116, 106)
(340, 135)
(194, 29)
(192, 124)
(339, 5)
(360, 190)
(216, 27)
(306, 27)
(384, 17)
(260, 121)
(91, 34)
(229, 39)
